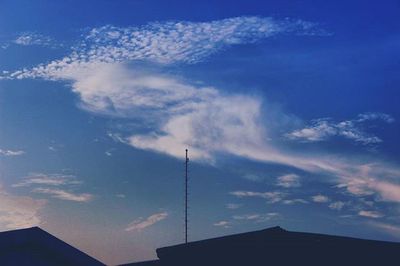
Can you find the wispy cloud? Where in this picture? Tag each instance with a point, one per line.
(224, 224)
(50, 180)
(294, 201)
(337, 205)
(233, 206)
(393, 230)
(271, 197)
(320, 198)
(46, 183)
(370, 214)
(288, 181)
(373, 179)
(142, 223)
(19, 211)
(64, 195)
(165, 42)
(30, 38)
(257, 217)
(104, 71)
(11, 152)
(323, 129)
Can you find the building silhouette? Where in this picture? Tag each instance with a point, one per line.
(273, 246)
(35, 247)
(278, 247)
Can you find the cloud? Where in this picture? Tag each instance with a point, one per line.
(30, 38)
(294, 201)
(272, 197)
(224, 224)
(393, 230)
(165, 42)
(179, 114)
(373, 179)
(375, 116)
(323, 129)
(320, 198)
(11, 152)
(370, 214)
(288, 181)
(19, 211)
(141, 223)
(233, 206)
(337, 205)
(121, 72)
(64, 195)
(49, 180)
(257, 217)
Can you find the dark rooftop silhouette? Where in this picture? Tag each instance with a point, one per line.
(278, 247)
(35, 247)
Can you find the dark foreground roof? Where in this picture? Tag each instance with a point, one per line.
(278, 247)
(35, 247)
(144, 263)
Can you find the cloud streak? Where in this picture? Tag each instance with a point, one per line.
(50, 180)
(271, 197)
(64, 195)
(257, 217)
(11, 152)
(370, 214)
(142, 223)
(56, 185)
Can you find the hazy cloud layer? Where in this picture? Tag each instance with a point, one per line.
(19, 211)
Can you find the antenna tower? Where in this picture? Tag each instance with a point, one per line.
(186, 196)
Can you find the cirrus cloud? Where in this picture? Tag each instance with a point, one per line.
(142, 223)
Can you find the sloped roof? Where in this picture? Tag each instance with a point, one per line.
(276, 246)
(34, 246)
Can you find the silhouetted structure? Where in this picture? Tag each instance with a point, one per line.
(35, 247)
(186, 196)
(278, 247)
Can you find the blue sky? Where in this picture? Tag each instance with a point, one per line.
(289, 111)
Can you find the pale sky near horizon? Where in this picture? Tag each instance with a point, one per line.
(289, 109)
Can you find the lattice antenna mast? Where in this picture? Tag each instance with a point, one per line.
(186, 196)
